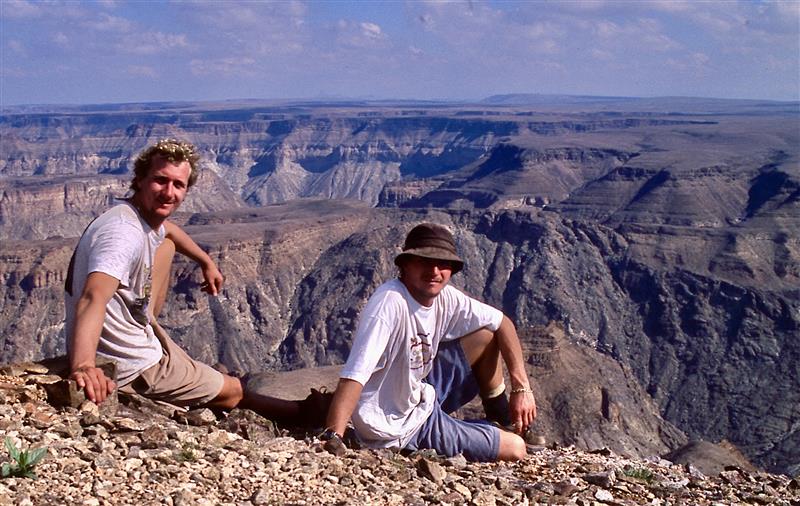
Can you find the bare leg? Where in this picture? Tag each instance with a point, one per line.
(272, 407)
(233, 395)
(483, 354)
(512, 447)
(162, 266)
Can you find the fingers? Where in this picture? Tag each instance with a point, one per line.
(213, 282)
(520, 426)
(110, 385)
(335, 446)
(95, 384)
(523, 412)
(218, 281)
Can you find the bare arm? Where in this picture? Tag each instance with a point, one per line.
(185, 245)
(344, 403)
(523, 404)
(89, 316)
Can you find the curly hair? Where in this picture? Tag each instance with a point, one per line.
(171, 149)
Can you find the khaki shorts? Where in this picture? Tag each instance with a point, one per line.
(177, 378)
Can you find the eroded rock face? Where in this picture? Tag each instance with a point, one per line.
(701, 170)
(38, 208)
(667, 243)
(295, 285)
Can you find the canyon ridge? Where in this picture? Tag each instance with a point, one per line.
(647, 249)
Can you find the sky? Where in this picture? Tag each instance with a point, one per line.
(110, 51)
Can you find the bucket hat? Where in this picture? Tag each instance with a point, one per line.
(429, 240)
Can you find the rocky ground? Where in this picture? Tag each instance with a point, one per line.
(133, 451)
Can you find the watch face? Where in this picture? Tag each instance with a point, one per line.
(328, 434)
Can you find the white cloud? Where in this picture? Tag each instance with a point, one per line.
(691, 62)
(108, 23)
(17, 47)
(607, 29)
(642, 33)
(21, 9)
(142, 71)
(672, 6)
(427, 21)
(426, 48)
(600, 54)
(262, 30)
(364, 36)
(372, 31)
(8, 71)
(152, 43)
(700, 59)
(61, 39)
(223, 67)
(789, 9)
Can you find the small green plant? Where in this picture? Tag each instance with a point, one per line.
(23, 461)
(639, 473)
(186, 453)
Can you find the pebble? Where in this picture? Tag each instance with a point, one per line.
(603, 495)
(147, 457)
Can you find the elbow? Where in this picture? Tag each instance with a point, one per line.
(507, 324)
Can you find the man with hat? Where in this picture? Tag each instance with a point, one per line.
(423, 349)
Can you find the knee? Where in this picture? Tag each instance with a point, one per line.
(520, 448)
(167, 247)
(512, 447)
(476, 344)
(164, 255)
(231, 394)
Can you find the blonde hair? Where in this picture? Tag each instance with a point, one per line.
(171, 149)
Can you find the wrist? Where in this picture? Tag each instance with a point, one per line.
(329, 434)
(82, 366)
(521, 390)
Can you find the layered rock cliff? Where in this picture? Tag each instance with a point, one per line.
(297, 278)
(666, 242)
(596, 165)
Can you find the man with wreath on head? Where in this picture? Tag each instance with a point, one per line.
(423, 349)
(117, 284)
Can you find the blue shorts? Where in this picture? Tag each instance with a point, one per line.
(455, 386)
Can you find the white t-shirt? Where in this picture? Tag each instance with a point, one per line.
(392, 353)
(119, 243)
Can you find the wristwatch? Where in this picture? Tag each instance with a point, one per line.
(328, 435)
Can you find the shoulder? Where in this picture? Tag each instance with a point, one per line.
(454, 299)
(391, 291)
(386, 300)
(116, 233)
(121, 216)
(453, 294)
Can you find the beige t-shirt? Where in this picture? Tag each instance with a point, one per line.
(119, 243)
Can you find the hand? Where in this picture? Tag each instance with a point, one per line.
(333, 442)
(94, 382)
(523, 410)
(213, 279)
(335, 445)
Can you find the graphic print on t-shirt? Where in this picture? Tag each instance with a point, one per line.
(141, 305)
(420, 354)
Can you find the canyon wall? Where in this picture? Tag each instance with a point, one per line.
(665, 245)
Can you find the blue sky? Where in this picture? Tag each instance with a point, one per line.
(114, 51)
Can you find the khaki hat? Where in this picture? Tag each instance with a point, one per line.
(429, 240)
